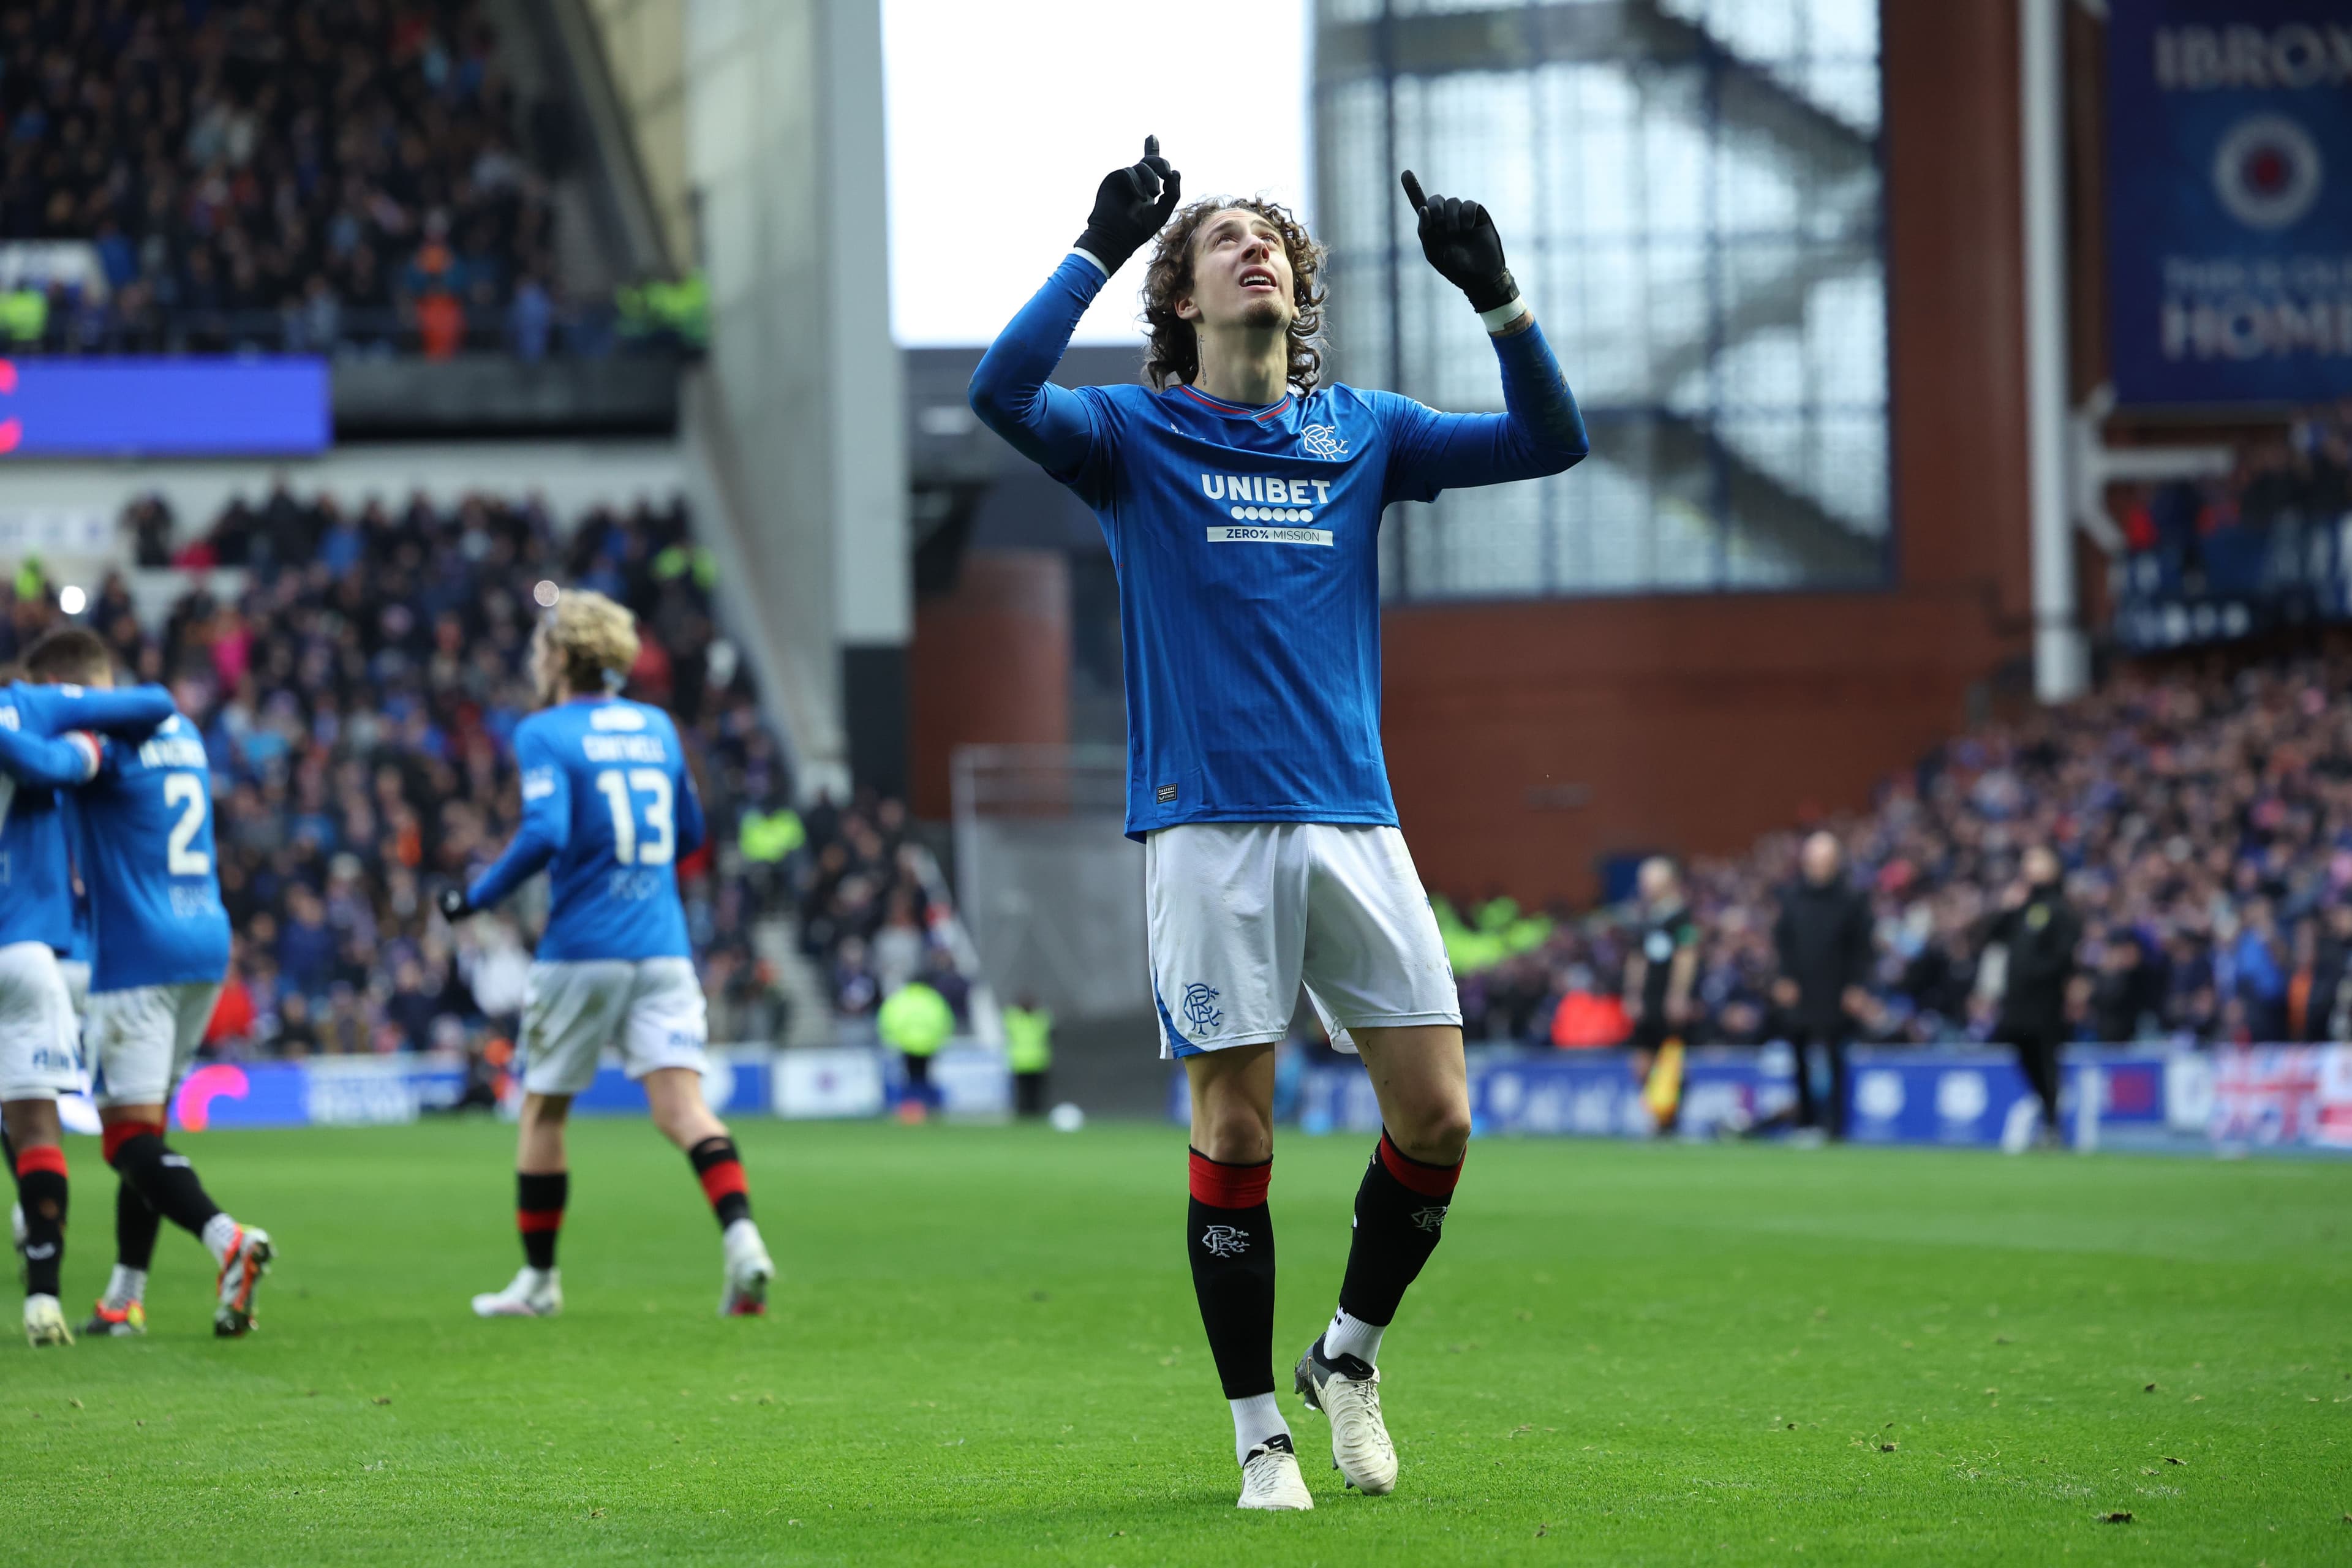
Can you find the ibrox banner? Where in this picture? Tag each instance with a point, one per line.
(2230, 200)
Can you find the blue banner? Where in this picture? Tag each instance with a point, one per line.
(176, 407)
(2230, 201)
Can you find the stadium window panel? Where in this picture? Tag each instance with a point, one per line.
(1690, 194)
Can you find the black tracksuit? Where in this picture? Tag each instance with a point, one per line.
(2040, 935)
(1823, 940)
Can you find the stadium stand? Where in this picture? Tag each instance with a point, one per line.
(2203, 815)
(357, 678)
(281, 176)
(2205, 821)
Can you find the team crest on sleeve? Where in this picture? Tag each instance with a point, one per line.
(1201, 1011)
(1322, 441)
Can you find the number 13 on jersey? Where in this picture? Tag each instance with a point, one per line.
(651, 840)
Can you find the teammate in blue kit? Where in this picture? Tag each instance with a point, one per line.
(162, 938)
(49, 744)
(1242, 500)
(608, 808)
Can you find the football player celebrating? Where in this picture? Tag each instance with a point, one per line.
(161, 941)
(1242, 499)
(608, 806)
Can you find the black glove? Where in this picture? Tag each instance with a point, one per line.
(1130, 206)
(1460, 241)
(454, 905)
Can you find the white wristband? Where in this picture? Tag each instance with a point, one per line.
(1090, 256)
(1502, 315)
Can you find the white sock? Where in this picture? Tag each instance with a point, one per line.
(125, 1286)
(739, 1235)
(220, 1235)
(1255, 1419)
(1353, 1336)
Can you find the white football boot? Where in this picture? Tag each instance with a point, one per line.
(750, 1271)
(532, 1293)
(45, 1322)
(240, 1275)
(1270, 1479)
(1347, 1390)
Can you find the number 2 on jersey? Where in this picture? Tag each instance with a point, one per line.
(190, 792)
(660, 841)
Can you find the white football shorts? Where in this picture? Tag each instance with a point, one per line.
(37, 1025)
(77, 975)
(651, 1008)
(142, 1039)
(1241, 913)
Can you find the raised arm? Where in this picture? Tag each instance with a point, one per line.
(1011, 391)
(131, 713)
(63, 762)
(1050, 425)
(1540, 430)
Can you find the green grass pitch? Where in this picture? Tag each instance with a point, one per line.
(984, 1350)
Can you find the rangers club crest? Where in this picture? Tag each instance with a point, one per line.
(1201, 1012)
(2267, 171)
(1431, 1218)
(1226, 1240)
(1322, 441)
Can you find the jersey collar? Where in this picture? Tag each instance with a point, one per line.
(1263, 414)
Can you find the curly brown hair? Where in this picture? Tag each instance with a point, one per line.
(1173, 349)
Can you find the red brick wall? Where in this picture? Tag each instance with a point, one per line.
(989, 663)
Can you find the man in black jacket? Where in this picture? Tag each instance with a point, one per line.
(1823, 941)
(2040, 934)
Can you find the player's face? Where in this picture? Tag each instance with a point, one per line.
(1241, 273)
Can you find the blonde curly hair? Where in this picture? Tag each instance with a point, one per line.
(593, 640)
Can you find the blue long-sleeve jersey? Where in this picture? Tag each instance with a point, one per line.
(147, 856)
(47, 745)
(607, 800)
(1246, 542)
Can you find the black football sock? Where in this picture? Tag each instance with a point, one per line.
(1230, 1236)
(722, 1171)
(1400, 1213)
(136, 1224)
(41, 1188)
(540, 1199)
(168, 1183)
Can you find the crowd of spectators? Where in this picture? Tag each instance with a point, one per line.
(2203, 819)
(358, 695)
(279, 175)
(872, 913)
(2305, 473)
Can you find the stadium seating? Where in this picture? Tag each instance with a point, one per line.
(2205, 822)
(357, 678)
(278, 175)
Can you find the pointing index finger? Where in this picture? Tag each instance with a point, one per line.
(1151, 146)
(1412, 192)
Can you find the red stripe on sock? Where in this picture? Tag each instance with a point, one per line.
(724, 1180)
(118, 1134)
(1428, 1181)
(1222, 1186)
(48, 1157)
(532, 1221)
